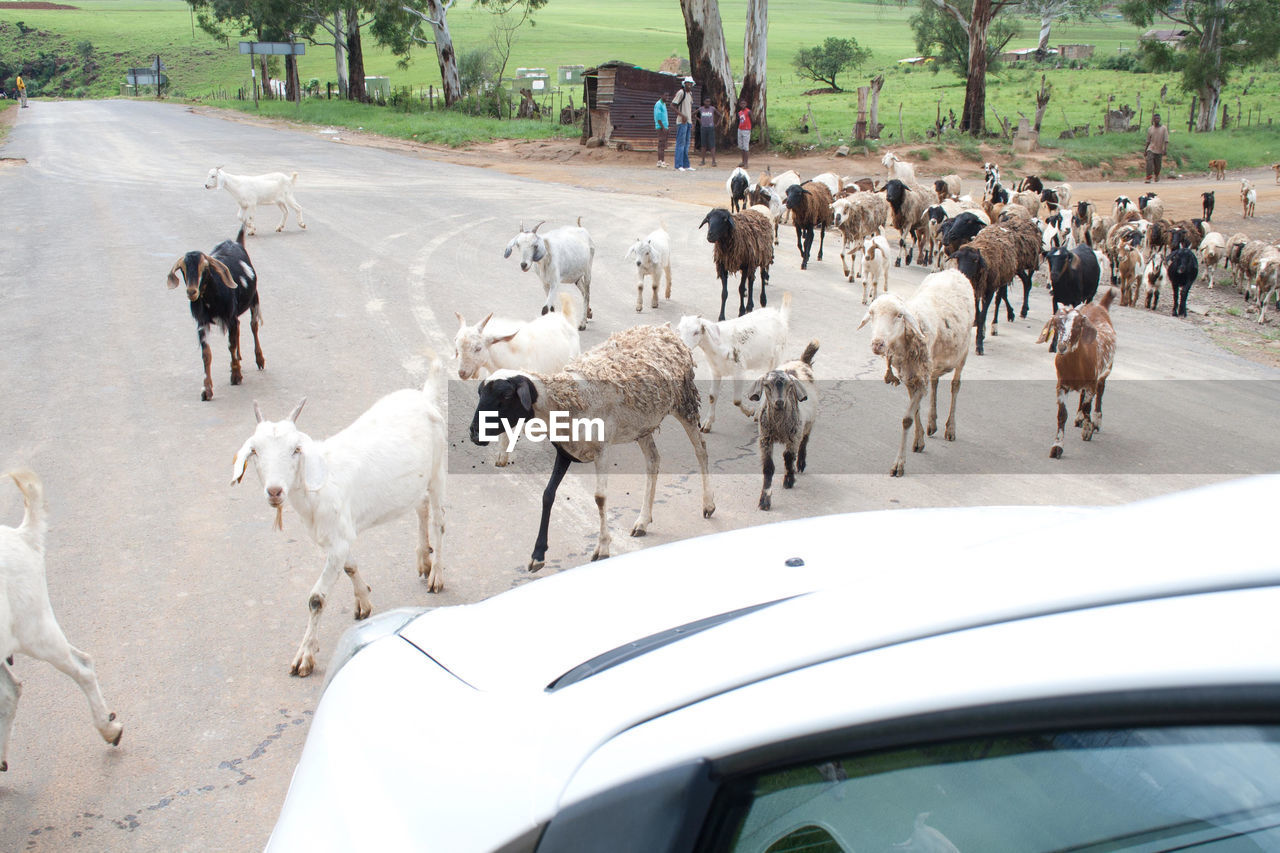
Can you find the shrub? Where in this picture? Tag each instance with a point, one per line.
(1054, 176)
(1119, 62)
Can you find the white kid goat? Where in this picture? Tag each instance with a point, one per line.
(249, 191)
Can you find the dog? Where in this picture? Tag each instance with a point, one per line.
(1218, 168)
(1275, 167)
(1208, 205)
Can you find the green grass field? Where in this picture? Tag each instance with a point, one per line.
(127, 33)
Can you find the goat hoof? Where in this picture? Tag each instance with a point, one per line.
(933, 428)
(708, 511)
(639, 531)
(206, 396)
(302, 666)
(535, 565)
(949, 434)
(789, 481)
(1024, 314)
(4, 765)
(766, 503)
(115, 741)
(705, 427)
(640, 308)
(898, 470)
(898, 262)
(1055, 452)
(236, 379)
(596, 555)
(1080, 421)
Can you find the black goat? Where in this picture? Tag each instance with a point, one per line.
(1182, 269)
(1073, 278)
(959, 230)
(738, 183)
(221, 285)
(1208, 205)
(1031, 183)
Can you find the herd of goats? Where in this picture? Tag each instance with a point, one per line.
(394, 456)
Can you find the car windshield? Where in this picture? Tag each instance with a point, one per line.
(1201, 788)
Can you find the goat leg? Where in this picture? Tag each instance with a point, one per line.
(559, 467)
(804, 449)
(651, 462)
(766, 467)
(364, 607)
(657, 278)
(724, 292)
(52, 647)
(822, 239)
(233, 344)
(9, 692)
(1086, 401)
(431, 515)
(255, 320)
(284, 215)
(1055, 452)
(207, 355)
(933, 406)
(950, 432)
(711, 404)
(789, 462)
(604, 539)
(1097, 405)
(700, 451)
(915, 387)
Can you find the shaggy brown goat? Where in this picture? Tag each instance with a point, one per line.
(910, 209)
(990, 262)
(743, 243)
(810, 206)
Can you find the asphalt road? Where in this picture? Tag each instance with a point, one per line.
(192, 606)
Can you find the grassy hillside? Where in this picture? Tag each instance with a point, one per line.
(126, 33)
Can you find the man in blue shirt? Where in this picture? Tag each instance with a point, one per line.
(661, 125)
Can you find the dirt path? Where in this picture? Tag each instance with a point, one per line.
(1221, 311)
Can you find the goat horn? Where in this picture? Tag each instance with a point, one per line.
(539, 225)
(257, 412)
(293, 417)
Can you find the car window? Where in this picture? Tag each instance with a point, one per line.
(1205, 788)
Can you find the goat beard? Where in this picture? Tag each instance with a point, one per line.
(279, 525)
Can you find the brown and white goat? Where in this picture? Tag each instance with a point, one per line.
(1086, 350)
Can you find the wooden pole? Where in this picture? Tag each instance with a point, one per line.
(901, 137)
(860, 126)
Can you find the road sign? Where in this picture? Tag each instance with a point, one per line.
(145, 77)
(273, 48)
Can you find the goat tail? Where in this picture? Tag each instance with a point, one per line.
(35, 518)
(293, 177)
(785, 310)
(435, 373)
(809, 352)
(566, 308)
(579, 221)
(1106, 297)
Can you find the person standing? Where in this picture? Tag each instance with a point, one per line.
(22, 92)
(707, 130)
(661, 124)
(744, 130)
(683, 102)
(1157, 145)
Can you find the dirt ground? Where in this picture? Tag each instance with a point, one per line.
(1221, 310)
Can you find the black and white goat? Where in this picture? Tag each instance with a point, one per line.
(221, 286)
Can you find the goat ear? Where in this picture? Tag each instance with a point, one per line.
(481, 325)
(757, 388)
(1088, 334)
(237, 467)
(314, 471)
(866, 318)
(797, 388)
(712, 331)
(172, 280)
(507, 252)
(503, 339)
(293, 416)
(1046, 331)
(524, 391)
(539, 250)
(221, 271)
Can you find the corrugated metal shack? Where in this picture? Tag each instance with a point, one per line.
(620, 97)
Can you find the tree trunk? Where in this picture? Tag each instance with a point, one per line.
(449, 83)
(340, 51)
(973, 121)
(755, 67)
(877, 83)
(1046, 24)
(355, 58)
(266, 79)
(292, 85)
(1042, 102)
(709, 62)
(1210, 89)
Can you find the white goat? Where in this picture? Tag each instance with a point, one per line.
(389, 460)
(543, 345)
(924, 337)
(875, 265)
(652, 255)
(1213, 248)
(900, 169)
(27, 623)
(834, 182)
(752, 342)
(562, 255)
(249, 191)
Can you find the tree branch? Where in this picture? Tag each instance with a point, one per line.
(953, 12)
(432, 21)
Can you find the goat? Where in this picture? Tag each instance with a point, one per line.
(391, 459)
(27, 623)
(1152, 275)
(542, 345)
(1275, 167)
(857, 217)
(221, 286)
(1073, 277)
(875, 265)
(1267, 278)
(779, 184)
(733, 347)
(787, 413)
(768, 199)
(1086, 351)
(909, 206)
(960, 231)
(1207, 205)
(652, 255)
(1182, 270)
(1151, 206)
(830, 180)
(631, 382)
(924, 338)
(1213, 250)
(810, 206)
(1130, 274)
(562, 255)
(990, 262)
(1080, 230)
(947, 187)
(1030, 184)
(1218, 169)
(249, 191)
(1248, 198)
(742, 244)
(991, 174)
(899, 169)
(736, 186)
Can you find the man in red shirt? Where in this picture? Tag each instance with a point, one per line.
(744, 130)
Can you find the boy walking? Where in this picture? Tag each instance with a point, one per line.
(744, 130)
(707, 130)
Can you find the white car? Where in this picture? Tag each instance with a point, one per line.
(983, 679)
